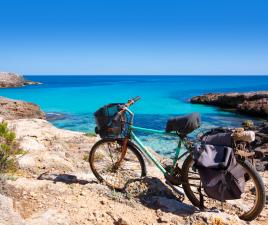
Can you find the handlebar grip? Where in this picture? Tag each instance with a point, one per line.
(132, 101)
(136, 98)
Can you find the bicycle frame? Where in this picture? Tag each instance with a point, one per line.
(150, 155)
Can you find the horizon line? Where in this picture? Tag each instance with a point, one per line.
(145, 75)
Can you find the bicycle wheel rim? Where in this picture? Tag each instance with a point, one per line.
(131, 167)
(250, 214)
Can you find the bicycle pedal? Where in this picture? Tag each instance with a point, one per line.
(173, 180)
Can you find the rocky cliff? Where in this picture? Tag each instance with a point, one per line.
(8, 80)
(251, 103)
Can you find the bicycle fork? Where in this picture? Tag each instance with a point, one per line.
(123, 153)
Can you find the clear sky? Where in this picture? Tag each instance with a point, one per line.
(134, 36)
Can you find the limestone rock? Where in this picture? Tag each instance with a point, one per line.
(14, 109)
(173, 205)
(8, 216)
(50, 217)
(47, 146)
(251, 103)
(255, 107)
(8, 80)
(212, 218)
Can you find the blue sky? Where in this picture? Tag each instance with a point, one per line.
(134, 36)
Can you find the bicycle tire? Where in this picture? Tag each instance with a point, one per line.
(130, 147)
(259, 185)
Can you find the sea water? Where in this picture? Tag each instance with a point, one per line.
(76, 98)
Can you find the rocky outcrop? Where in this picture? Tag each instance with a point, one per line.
(251, 103)
(15, 109)
(8, 80)
(254, 107)
(49, 148)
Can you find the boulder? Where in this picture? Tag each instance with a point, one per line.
(15, 109)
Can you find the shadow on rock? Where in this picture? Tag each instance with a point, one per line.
(64, 178)
(153, 193)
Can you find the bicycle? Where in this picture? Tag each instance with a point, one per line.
(118, 158)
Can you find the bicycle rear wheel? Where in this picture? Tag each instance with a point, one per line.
(248, 207)
(104, 157)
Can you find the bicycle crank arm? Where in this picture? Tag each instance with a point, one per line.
(178, 192)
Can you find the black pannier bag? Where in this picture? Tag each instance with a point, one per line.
(184, 124)
(219, 137)
(108, 125)
(221, 176)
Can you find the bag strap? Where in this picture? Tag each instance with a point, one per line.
(201, 196)
(227, 158)
(223, 184)
(223, 187)
(205, 142)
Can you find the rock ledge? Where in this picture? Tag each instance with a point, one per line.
(9, 80)
(250, 103)
(14, 109)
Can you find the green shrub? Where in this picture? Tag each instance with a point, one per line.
(86, 157)
(9, 149)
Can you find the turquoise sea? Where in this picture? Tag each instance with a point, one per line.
(78, 97)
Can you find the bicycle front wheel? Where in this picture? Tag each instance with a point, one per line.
(248, 207)
(104, 157)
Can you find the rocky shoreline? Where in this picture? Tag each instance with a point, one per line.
(15, 109)
(11, 80)
(55, 186)
(249, 103)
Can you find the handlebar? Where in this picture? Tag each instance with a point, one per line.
(132, 101)
(129, 103)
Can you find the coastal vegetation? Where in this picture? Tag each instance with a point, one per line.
(9, 149)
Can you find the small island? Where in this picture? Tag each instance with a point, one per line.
(249, 103)
(10, 80)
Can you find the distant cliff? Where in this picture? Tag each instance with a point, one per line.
(250, 103)
(8, 80)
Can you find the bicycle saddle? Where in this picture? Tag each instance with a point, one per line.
(184, 124)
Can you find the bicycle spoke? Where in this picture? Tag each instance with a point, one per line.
(193, 178)
(244, 206)
(116, 175)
